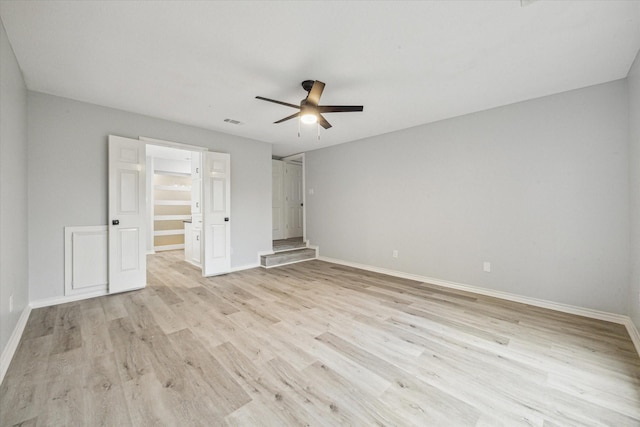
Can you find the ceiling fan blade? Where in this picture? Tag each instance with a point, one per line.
(339, 108)
(293, 116)
(323, 122)
(278, 102)
(315, 93)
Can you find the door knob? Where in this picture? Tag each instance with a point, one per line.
(227, 219)
(115, 222)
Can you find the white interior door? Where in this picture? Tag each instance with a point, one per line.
(216, 210)
(277, 199)
(293, 199)
(127, 210)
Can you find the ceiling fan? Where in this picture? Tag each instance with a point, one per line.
(310, 112)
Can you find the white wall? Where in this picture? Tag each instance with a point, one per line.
(538, 188)
(13, 190)
(68, 179)
(633, 83)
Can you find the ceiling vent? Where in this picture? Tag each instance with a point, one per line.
(234, 122)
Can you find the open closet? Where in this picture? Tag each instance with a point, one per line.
(174, 204)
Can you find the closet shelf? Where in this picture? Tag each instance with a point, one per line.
(171, 217)
(172, 202)
(171, 173)
(172, 187)
(168, 232)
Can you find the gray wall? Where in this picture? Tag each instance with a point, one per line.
(68, 180)
(13, 190)
(539, 189)
(633, 82)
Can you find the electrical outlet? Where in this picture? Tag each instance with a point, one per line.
(11, 303)
(395, 253)
(486, 266)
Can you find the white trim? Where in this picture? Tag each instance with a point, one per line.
(14, 340)
(565, 308)
(171, 144)
(633, 333)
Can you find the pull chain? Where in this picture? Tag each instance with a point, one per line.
(318, 131)
(298, 128)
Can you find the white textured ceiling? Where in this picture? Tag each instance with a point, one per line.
(408, 63)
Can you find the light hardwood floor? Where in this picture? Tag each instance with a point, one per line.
(315, 344)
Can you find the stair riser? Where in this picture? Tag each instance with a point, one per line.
(286, 263)
(288, 257)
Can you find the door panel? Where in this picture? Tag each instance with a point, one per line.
(128, 249)
(216, 182)
(127, 210)
(128, 199)
(218, 195)
(294, 199)
(219, 241)
(277, 199)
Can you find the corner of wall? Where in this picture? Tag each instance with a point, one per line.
(14, 292)
(633, 88)
(12, 344)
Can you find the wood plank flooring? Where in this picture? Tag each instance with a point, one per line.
(315, 344)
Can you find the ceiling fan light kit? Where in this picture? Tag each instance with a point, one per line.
(308, 118)
(309, 110)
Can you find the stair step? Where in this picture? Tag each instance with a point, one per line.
(288, 244)
(287, 257)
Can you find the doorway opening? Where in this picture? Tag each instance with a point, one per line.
(288, 198)
(188, 205)
(288, 234)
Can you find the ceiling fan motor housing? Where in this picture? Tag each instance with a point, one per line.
(309, 111)
(307, 84)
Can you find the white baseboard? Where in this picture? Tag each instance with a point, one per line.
(65, 299)
(633, 333)
(12, 344)
(565, 308)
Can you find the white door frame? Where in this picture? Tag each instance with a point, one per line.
(299, 158)
(179, 145)
(150, 202)
(192, 148)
